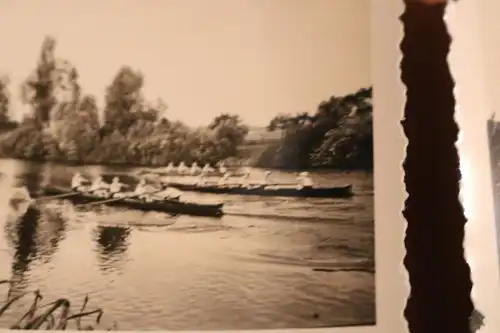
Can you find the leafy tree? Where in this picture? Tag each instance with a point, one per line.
(229, 132)
(4, 101)
(351, 141)
(338, 135)
(68, 96)
(113, 149)
(279, 122)
(38, 89)
(123, 98)
(80, 133)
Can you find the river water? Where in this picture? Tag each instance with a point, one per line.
(268, 263)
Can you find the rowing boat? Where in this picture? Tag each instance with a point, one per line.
(269, 191)
(165, 206)
(175, 173)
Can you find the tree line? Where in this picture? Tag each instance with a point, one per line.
(339, 135)
(493, 130)
(66, 125)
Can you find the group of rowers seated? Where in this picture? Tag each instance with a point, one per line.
(117, 189)
(302, 181)
(182, 168)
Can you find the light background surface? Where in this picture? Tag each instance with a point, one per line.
(474, 62)
(391, 278)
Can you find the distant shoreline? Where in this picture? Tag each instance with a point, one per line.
(152, 167)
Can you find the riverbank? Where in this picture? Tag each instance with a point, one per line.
(233, 165)
(36, 317)
(39, 146)
(174, 143)
(305, 142)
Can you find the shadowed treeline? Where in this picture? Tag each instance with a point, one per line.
(66, 125)
(493, 128)
(338, 135)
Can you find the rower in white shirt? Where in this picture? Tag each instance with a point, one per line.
(115, 188)
(304, 181)
(222, 169)
(169, 193)
(182, 168)
(194, 168)
(170, 167)
(78, 182)
(207, 168)
(141, 190)
(20, 199)
(148, 193)
(99, 187)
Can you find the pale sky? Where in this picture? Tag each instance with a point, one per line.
(255, 58)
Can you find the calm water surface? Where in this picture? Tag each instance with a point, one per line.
(254, 268)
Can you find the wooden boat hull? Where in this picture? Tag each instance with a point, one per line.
(169, 207)
(312, 192)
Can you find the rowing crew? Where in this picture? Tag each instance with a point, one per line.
(116, 188)
(182, 168)
(302, 181)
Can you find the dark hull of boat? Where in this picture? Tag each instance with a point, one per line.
(313, 192)
(169, 207)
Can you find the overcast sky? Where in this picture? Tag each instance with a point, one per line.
(255, 58)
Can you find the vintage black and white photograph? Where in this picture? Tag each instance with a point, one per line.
(186, 165)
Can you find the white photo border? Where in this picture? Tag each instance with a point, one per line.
(390, 142)
(474, 108)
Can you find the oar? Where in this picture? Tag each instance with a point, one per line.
(118, 199)
(281, 184)
(64, 195)
(57, 196)
(255, 184)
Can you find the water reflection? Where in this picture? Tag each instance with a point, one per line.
(34, 236)
(33, 233)
(112, 243)
(51, 231)
(33, 176)
(25, 247)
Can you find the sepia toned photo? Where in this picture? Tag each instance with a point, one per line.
(186, 165)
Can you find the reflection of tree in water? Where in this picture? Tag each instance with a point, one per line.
(23, 240)
(35, 235)
(51, 230)
(112, 243)
(31, 175)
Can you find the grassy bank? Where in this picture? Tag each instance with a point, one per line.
(56, 315)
